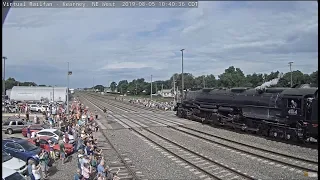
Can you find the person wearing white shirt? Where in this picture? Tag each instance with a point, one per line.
(36, 172)
(33, 135)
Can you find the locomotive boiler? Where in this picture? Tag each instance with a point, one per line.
(286, 113)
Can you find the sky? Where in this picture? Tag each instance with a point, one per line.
(105, 45)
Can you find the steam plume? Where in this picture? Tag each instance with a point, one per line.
(271, 82)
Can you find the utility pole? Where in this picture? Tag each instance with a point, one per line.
(68, 74)
(174, 89)
(93, 83)
(53, 93)
(182, 79)
(290, 64)
(151, 89)
(156, 87)
(136, 88)
(204, 82)
(4, 74)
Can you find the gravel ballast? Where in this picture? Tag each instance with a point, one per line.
(255, 168)
(152, 163)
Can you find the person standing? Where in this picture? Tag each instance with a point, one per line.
(78, 175)
(62, 150)
(30, 164)
(36, 172)
(51, 145)
(86, 171)
(101, 169)
(29, 132)
(96, 113)
(37, 141)
(43, 162)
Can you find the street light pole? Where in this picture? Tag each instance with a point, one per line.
(151, 89)
(290, 64)
(204, 82)
(93, 83)
(174, 89)
(4, 75)
(182, 79)
(53, 93)
(68, 91)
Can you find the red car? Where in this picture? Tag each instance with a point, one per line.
(44, 144)
(34, 128)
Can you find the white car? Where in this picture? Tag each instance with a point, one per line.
(14, 163)
(9, 174)
(55, 133)
(35, 108)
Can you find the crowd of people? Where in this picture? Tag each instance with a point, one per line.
(166, 106)
(81, 125)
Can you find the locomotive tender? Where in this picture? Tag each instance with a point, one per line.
(286, 113)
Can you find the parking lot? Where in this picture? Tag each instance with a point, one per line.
(57, 171)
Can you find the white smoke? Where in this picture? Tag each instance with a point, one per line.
(271, 82)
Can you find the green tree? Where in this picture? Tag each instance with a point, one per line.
(232, 77)
(314, 79)
(254, 80)
(113, 86)
(210, 81)
(122, 86)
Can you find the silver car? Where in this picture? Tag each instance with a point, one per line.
(11, 126)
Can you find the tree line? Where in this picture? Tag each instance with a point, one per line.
(232, 77)
(10, 82)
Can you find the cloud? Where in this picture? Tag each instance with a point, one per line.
(105, 45)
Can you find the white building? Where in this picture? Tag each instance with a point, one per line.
(35, 93)
(8, 93)
(166, 93)
(108, 90)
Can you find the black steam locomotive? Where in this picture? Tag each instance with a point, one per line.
(286, 113)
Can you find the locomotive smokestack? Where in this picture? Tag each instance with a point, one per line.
(270, 83)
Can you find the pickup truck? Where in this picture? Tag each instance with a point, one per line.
(12, 126)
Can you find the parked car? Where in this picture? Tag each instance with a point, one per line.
(12, 126)
(34, 128)
(35, 108)
(21, 149)
(44, 144)
(14, 163)
(9, 174)
(55, 133)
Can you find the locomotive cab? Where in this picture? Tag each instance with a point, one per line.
(312, 117)
(301, 108)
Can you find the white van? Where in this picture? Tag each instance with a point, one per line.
(9, 174)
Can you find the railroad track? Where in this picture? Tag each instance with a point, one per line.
(126, 108)
(286, 161)
(209, 167)
(130, 104)
(124, 168)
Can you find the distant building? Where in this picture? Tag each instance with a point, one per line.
(36, 93)
(166, 93)
(8, 93)
(108, 90)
